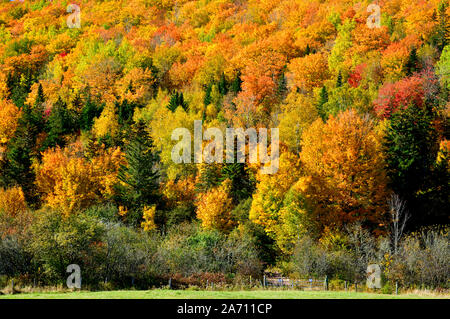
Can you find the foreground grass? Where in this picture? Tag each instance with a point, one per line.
(190, 294)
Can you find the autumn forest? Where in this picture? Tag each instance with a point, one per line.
(361, 99)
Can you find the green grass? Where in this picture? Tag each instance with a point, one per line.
(190, 294)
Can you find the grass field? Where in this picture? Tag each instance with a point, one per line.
(189, 294)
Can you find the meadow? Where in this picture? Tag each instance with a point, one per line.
(242, 294)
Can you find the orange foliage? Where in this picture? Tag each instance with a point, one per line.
(69, 181)
(347, 180)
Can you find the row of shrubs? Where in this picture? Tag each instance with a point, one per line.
(36, 248)
(420, 260)
(114, 255)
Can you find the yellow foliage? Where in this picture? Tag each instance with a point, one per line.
(68, 181)
(271, 190)
(149, 218)
(308, 72)
(178, 192)
(123, 211)
(214, 208)
(299, 112)
(12, 201)
(107, 123)
(9, 116)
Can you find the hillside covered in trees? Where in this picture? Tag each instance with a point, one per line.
(87, 115)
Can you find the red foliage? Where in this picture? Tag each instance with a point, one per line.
(356, 76)
(393, 96)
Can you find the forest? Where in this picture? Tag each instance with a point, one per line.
(87, 113)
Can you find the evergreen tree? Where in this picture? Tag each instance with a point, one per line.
(242, 185)
(323, 98)
(19, 86)
(210, 177)
(236, 85)
(443, 28)
(223, 85)
(176, 100)
(411, 65)
(282, 85)
(173, 102)
(182, 102)
(207, 99)
(61, 122)
(125, 112)
(308, 50)
(411, 147)
(89, 112)
(339, 80)
(16, 164)
(140, 177)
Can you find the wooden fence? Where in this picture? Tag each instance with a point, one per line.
(281, 282)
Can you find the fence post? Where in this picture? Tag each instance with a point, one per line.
(170, 283)
(345, 283)
(326, 282)
(207, 283)
(396, 287)
(250, 281)
(356, 286)
(12, 286)
(264, 281)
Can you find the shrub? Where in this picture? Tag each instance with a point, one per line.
(14, 260)
(128, 255)
(422, 260)
(187, 250)
(58, 241)
(105, 212)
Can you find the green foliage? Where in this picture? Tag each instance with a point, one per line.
(140, 177)
(223, 85)
(180, 214)
(443, 68)
(242, 183)
(61, 122)
(323, 98)
(236, 84)
(89, 112)
(177, 100)
(188, 250)
(412, 65)
(411, 150)
(442, 32)
(339, 80)
(58, 241)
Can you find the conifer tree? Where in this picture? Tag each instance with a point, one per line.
(60, 122)
(411, 148)
(207, 99)
(323, 98)
(412, 65)
(339, 80)
(236, 85)
(443, 27)
(223, 85)
(89, 112)
(140, 176)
